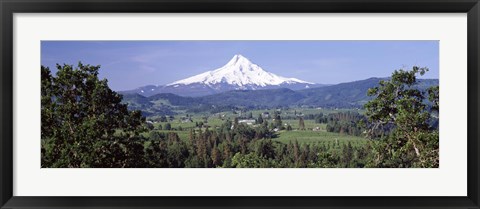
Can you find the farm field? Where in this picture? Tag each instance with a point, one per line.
(289, 116)
(314, 133)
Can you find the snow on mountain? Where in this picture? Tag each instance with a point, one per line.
(240, 72)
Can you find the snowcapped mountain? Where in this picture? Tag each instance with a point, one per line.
(241, 73)
(238, 74)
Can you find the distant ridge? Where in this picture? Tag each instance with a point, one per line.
(344, 95)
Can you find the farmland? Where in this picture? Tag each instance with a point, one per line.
(314, 133)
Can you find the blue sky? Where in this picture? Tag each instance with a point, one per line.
(131, 64)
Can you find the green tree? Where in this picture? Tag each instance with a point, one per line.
(80, 116)
(216, 156)
(168, 126)
(289, 127)
(266, 149)
(250, 160)
(296, 154)
(433, 96)
(149, 126)
(397, 102)
(163, 118)
(277, 120)
(301, 124)
(259, 119)
(235, 122)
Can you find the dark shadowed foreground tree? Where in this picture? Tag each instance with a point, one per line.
(84, 123)
(396, 103)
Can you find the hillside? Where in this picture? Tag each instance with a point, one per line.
(344, 95)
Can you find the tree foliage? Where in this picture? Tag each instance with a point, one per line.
(350, 123)
(301, 124)
(412, 142)
(80, 116)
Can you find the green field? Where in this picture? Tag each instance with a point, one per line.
(314, 133)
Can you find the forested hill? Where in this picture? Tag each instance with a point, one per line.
(350, 94)
(344, 95)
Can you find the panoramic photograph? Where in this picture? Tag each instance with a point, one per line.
(240, 104)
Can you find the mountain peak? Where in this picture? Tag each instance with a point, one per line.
(238, 57)
(239, 60)
(240, 72)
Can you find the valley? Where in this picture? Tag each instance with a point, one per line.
(314, 130)
(242, 105)
(239, 116)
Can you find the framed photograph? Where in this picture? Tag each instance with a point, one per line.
(239, 104)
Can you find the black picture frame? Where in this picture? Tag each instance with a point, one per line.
(10, 7)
